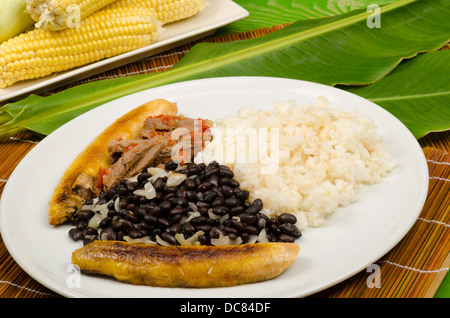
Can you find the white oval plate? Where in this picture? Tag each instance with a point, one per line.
(353, 237)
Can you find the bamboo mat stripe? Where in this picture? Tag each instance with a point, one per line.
(415, 267)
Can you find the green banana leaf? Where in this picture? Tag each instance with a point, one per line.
(335, 50)
(417, 92)
(274, 12)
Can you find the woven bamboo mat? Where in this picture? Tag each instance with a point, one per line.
(413, 268)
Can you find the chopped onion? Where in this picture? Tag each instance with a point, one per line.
(192, 240)
(142, 240)
(116, 204)
(212, 215)
(156, 171)
(95, 220)
(193, 206)
(225, 240)
(190, 217)
(148, 192)
(252, 239)
(174, 179)
(262, 237)
(160, 241)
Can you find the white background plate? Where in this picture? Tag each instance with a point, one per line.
(217, 13)
(353, 237)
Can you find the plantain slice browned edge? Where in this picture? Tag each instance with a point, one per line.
(185, 266)
(79, 180)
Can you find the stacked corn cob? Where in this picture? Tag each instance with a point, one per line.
(118, 27)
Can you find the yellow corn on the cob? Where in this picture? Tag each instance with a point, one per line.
(106, 33)
(60, 14)
(14, 19)
(167, 10)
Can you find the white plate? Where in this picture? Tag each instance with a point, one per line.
(353, 237)
(217, 13)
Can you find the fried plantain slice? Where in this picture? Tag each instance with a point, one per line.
(185, 266)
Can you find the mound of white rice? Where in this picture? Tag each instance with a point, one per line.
(304, 160)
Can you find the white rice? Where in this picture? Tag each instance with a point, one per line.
(317, 157)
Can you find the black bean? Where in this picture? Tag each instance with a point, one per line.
(253, 209)
(134, 234)
(171, 165)
(291, 229)
(203, 227)
(258, 203)
(193, 169)
(216, 232)
(230, 230)
(86, 241)
(218, 191)
(81, 224)
(175, 218)
(108, 234)
(286, 238)
(117, 226)
(210, 197)
(90, 231)
(146, 227)
(202, 204)
(275, 229)
(198, 220)
(226, 172)
(204, 240)
(210, 171)
(226, 190)
(190, 184)
(190, 195)
(241, 194)
(171, 189)
(216, 202)
(75, 234)
(231, 202)
(248, 218)
(175, 211)
(174, 229)
(223, 181)
(205, 186)
(187, 228)
(220, 210)
(287, 218)
(132, 218)
(121, 190)
(214, 180)
(143, 177)
(85, 214)
(159, 184)
(105, 222)
(131, 186)
(237, 225)
(140, 212)
(233, 183)
(163, 222)
(252, 230)
(245, 236)
(237, 210)
(131, 207)
(154, 210)
(165, 206)
(169, 238)
(127, 226)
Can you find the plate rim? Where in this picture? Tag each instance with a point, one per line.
(400, 236)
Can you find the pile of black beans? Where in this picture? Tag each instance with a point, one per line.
(212, 188)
